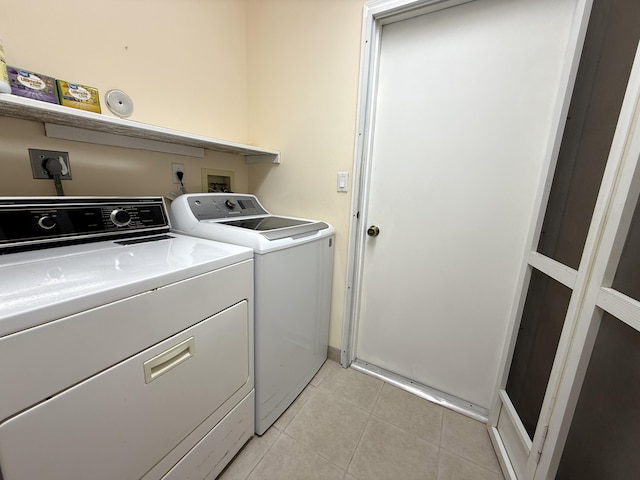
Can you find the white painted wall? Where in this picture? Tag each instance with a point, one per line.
(303, 83)
(183, 64)
(274, 73)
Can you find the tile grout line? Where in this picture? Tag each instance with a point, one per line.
(369, 415)
(314, 452)
(440, 443)
(308, 447)
(484, 467)
(265, 452)
(355, 450)
(436, 444)
(281, 432)
(460, 456)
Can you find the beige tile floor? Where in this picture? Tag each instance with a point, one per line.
(349, 426)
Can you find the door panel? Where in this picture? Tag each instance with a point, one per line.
(573, 223)
(627, 278)
(540, 328)
(517, 443)
(605, 431)
(605, 66)
(464, 108)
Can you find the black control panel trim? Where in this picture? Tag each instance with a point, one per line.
(43, 222)
(155, 238)
(25, 247)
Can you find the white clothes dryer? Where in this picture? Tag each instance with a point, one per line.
(293, 275)
(126, 350)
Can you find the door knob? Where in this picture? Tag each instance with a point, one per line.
(373, 231)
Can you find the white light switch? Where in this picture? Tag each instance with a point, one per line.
(343, 180)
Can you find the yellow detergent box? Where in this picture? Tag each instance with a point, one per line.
(78, 96)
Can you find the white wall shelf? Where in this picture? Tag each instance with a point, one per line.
(73, 124)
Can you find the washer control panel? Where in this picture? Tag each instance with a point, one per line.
(42, 220)
(215, 206)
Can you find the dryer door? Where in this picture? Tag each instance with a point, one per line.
(121, 422)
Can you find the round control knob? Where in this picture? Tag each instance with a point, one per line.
(230, 204)
(47, 222)
(120, 217)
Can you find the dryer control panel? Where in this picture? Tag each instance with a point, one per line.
(39, 222)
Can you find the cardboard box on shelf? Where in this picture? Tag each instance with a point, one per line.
(79, 96)
(36, 86)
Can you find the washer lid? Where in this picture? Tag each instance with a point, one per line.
(267, 223)
(274, 228)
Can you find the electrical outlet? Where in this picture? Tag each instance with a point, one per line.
(38, 159)
(175, 168)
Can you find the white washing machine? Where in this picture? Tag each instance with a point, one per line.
(293, 275)
(126, 350)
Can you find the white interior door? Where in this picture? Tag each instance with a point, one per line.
(466, 104)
